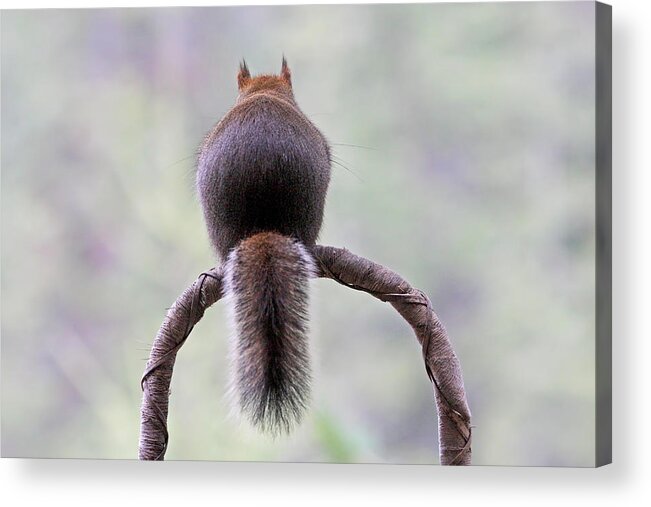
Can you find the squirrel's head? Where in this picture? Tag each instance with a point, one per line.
(280, 84)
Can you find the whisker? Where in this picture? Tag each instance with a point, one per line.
(179, 161)
(355, 146)
(335, 161)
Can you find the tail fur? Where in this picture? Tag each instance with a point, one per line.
(267, 278)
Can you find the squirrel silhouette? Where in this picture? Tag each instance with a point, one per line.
(262, 178)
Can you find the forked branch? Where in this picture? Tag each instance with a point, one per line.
(441, 363)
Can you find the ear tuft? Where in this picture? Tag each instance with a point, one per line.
(285, 73)
(243, 75)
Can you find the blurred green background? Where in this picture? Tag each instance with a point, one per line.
(474, 179)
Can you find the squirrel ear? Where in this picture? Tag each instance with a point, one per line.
(285, 73)
(243, 75)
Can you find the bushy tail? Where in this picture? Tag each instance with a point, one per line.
(267, 283)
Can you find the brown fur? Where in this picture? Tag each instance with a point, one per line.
(267, 278)
(262, 178)
(264, 167)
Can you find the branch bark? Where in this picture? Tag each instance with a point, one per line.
(177, 326)
(441, 363)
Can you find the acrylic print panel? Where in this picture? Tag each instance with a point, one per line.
(463, 158)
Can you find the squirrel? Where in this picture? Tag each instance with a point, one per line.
(262, 177)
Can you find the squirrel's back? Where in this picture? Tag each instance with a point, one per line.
(262, 178)
(264, 167)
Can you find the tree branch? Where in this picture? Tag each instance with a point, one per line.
(441, 363)
(179, 322)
